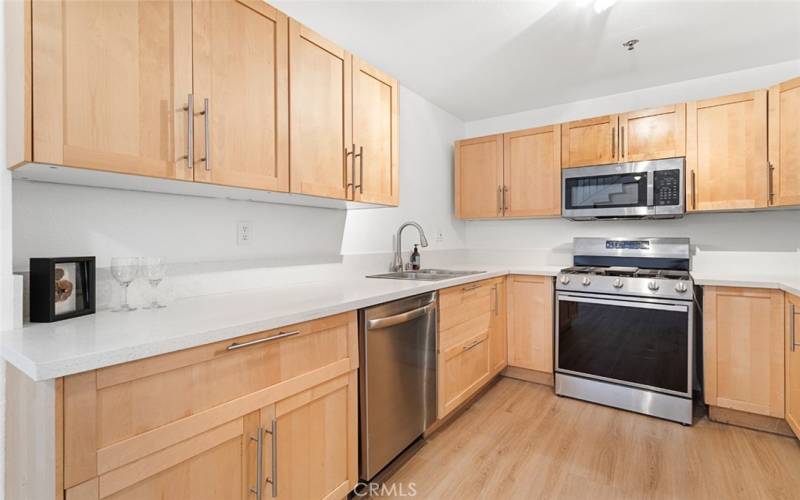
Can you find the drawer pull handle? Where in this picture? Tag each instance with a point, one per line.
(281, 335)
(793, 323)
(471, 287)
(472, 344)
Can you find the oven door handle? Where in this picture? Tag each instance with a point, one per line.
(625, 303)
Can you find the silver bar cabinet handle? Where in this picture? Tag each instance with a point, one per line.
(281, 335)
(794, 327)
(190, 131)
(499, 200)
(694, 191)
(771, 178)
(274, 479)
(360, 156)
(259, 439)
(471, 287)
(346, 156)
(505, 199)
(471, 345)
(613, 142)
(496, 300)
(206, 117)
(622, 142)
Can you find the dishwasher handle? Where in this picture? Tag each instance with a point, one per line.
(400, 318)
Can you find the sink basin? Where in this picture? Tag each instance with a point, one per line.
(425, 274)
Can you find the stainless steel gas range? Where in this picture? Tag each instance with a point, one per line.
(627, 324)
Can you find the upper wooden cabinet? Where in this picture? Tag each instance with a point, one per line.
(590, 142)
(376, 135)
(532, 172)
(320, 81)
(479, 177)
(784, 143)
(653, 134)
(793, 362)
(110, 85)
(151, 88)
(743, 349)
(246, 121)
(530, 322)
(726, 152)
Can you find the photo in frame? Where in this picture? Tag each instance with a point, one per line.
(61, 288)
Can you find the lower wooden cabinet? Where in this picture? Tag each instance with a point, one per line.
(530, 322)
(793, 362)
(743, 349)
(498, 338)
(195, 424)
(465, 338)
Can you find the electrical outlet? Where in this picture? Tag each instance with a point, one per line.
(244, 233)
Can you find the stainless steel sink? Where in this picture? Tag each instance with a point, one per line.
(425, 275)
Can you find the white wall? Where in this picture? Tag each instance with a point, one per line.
(762, 231)
(58, 220)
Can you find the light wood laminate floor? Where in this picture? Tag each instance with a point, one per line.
(520, 441)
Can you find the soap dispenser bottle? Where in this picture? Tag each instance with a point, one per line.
(415, 259)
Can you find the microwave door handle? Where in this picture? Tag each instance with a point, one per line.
(650, 188)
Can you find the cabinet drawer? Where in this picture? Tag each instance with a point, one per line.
(460, 304)
(464, 368)
(119, 414)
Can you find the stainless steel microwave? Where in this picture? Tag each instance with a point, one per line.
(639, 190)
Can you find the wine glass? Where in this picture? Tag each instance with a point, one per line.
(154, 269)
(124, 270)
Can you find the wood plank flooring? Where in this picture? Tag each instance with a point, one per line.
(520, 441)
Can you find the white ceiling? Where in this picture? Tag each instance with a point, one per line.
(481, 59)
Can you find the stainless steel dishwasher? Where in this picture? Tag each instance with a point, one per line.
(397, 378)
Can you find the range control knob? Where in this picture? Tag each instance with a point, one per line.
(681, 287)
(617, 283)
(564, 280)
(586, 281)
(653, 286)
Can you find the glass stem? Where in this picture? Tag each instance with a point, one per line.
(124, 302)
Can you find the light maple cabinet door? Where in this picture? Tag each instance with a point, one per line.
(479, 177)
(320, 115)
(784, 143)
(376, 135)
(726, 152)
(530, 322)
(793, 362)
(110, 84)
(653, 134)
(312, 437)
(743, 349)
(498, 338)
(246, 122)
(532, 173)
(592, 141)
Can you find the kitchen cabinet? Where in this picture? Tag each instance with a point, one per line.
(479, 177)
(530, 322)
(532, 172)
(784, 143)
(465, 320)
(498, 338)
(188, 424)
(726, 152)
(321, 114)
(110, 83)
(240, 102)
(375, 135)
(743, 349)
(793, 362)
(653, 134)
(592, 141)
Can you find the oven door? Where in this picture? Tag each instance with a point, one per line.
(644, 343)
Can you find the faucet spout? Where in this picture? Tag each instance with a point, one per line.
(397, 264)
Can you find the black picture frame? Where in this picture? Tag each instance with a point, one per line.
(74, 293)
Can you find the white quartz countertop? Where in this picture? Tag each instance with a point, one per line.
(787, 283)
(49, 350)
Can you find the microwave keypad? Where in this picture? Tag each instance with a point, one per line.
(666, 187)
